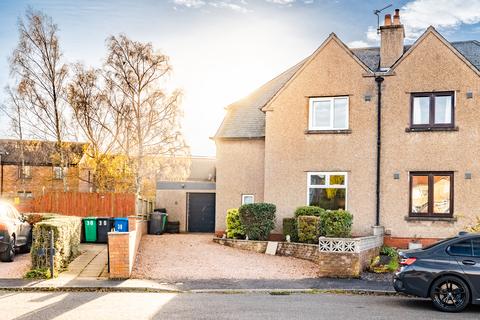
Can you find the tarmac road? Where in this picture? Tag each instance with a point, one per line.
(103, 305)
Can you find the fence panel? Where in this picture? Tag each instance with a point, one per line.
(82, 204)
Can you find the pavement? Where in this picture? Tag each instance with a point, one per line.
(103, 305)
(210, 285)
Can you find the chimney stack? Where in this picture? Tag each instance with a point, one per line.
(391, 43)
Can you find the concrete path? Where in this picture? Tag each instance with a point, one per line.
(91, 264)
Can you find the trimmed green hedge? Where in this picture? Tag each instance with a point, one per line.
(235, 228)
(336, 223)
(308, 229)
(66, 230)
(258, 219)
(290, 228)
(308, 211)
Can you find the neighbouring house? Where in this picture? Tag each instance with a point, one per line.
(389, 133)
(40, 172)
(189, 199)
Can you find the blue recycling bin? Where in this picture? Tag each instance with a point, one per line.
(120, 224)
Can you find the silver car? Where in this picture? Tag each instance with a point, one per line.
(15, 232)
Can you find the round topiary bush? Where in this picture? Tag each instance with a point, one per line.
(309, 211)
(258, 219)
(336, 223)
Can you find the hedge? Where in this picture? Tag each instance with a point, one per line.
(258, 219)
(309, 211)
(66, 230)
(308, 229)
(235, 228)
(290, 228)
(336, 223)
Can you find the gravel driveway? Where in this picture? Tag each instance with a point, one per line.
(17, 268)
(174, 257)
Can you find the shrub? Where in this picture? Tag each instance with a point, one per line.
(66, 232)
(33, 218)
(336, 223)
(290, 228)
(388, 251)
(235, 228)
(258, 219)
(308, 229)
(309, 211)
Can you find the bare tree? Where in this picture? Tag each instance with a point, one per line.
(92, 103)
(14, 110)
(151, 130)
(37, 63)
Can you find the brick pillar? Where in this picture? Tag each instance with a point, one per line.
(132, 223)
(119, 255)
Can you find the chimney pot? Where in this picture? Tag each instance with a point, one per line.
(388, 20)
(396, 17)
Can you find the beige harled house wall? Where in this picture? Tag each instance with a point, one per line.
(290, 152)
(240, 170)
(431, 66)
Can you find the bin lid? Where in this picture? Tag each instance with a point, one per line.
(120, 219)
(90, 218)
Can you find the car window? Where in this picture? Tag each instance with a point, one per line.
(476, 247)
(438, 243)
(462, 248)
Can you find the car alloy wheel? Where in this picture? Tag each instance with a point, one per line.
(450, 294)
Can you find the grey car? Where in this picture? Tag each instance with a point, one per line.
(15, 232)
(447, 272)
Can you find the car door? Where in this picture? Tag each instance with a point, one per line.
(467, 254)
(21, 227)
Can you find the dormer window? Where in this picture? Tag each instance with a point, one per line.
(432, 110)
(328, 113)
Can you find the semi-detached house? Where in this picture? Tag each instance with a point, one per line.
(389, 133)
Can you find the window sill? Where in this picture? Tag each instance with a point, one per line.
(342, 131)
(428, 129)
(429, 218)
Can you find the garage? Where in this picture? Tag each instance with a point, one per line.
(201, 212)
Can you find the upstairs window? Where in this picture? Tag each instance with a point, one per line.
(24, 172)
(432, 110)
(328, 113)
(58, 173)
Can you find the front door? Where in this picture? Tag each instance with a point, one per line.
(201, 212)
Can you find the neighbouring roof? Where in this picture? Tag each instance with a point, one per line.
(38, 153)
(245, 120)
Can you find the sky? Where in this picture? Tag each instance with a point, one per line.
(221, 50)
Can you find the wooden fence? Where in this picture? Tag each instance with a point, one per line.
(82, 204)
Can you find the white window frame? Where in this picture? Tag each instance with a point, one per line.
(247, 195)
(311, 125)
(327, 184)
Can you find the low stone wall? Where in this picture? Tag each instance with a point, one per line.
(123, 247)
(335, 257)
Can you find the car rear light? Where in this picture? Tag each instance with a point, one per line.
(407, 261)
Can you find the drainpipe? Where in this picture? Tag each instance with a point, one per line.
(379, 81)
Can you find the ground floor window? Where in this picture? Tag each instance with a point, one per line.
(327, 190)
(248, 199)
(431, 194)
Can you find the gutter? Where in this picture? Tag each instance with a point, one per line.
(378, 80)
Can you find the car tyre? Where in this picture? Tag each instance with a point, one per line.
(28, 246)
(450, 294)
(9, 254)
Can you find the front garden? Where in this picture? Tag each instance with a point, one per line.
(312, 233)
